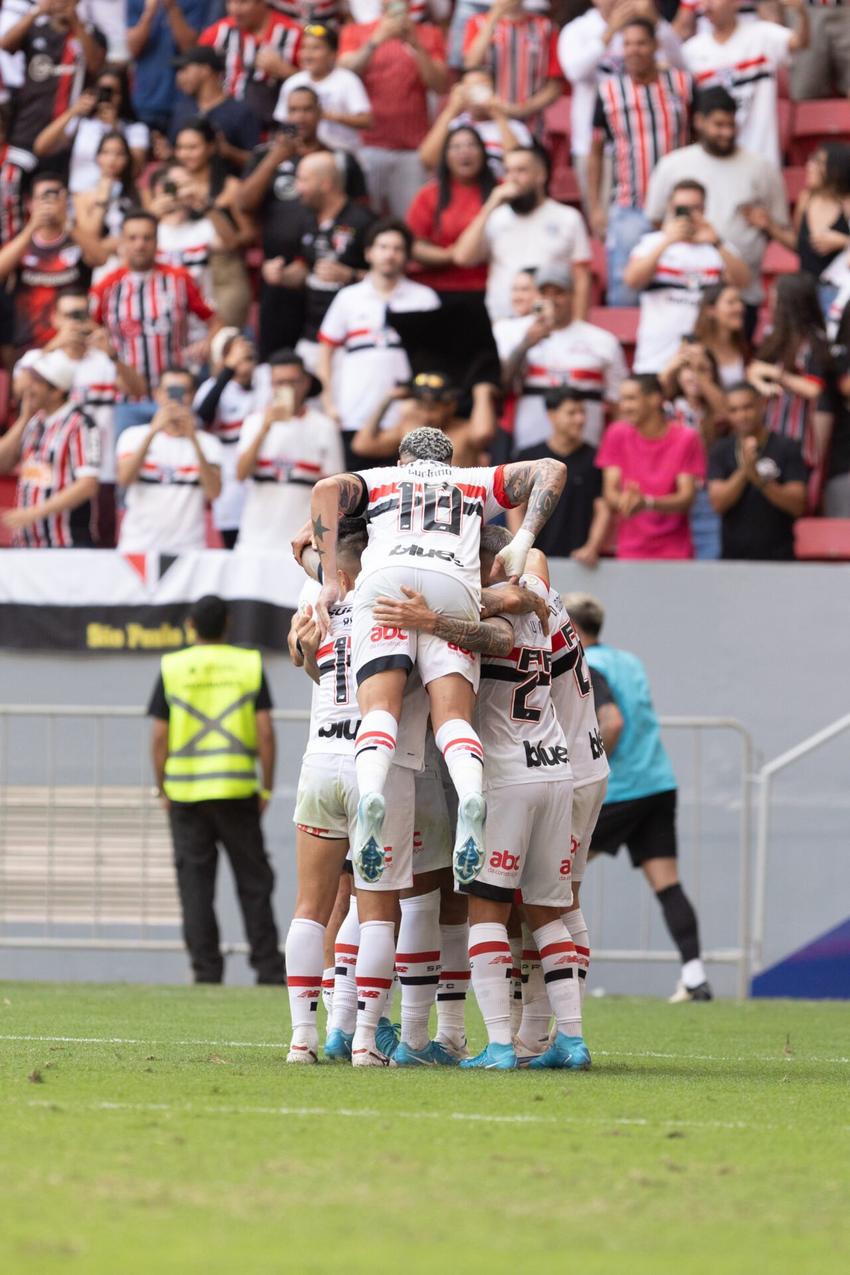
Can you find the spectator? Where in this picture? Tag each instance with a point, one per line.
(346, 109)
(362, 356)
(519, 225)
(56, 447)
(720, 331)
(185, 238)
(331, 245)
(472, 103)
(238, 386)
(521, 51)
(792, 366)
(260, 51)
(823, 68)
(821, 230)
(590, 47)
(431, 400)
(282, 452)
(15, 167)
(744, 58)
(100, 111)
(400, 62)
(207, 192)
(200, 73)
(46, 256)
(557, 349)
(100, 210)
(756, 482)
(695, 397)
(525, 301)
(145, 307)
(670, 267)
(442, 210)
(836, 493)
(734, 180)
(57, 51)
(169, 470)
(306, 11)
(157, 31)
(268, 190)
(651, 467)
(578, 526)
(641, 115)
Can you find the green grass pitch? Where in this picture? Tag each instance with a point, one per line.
(158, 1130)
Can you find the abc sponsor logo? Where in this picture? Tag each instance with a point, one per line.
(386, 633)
(503, 861)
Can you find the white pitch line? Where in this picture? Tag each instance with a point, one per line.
(269, 1044)
(369, 1113)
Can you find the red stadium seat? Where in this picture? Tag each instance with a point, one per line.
(621, 322)
(8, 487)
(778, 260)
(563, 186)
(816, 122)
(822, 539)
(795, 181)
(5, 395)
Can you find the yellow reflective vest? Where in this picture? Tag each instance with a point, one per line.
(212, 727)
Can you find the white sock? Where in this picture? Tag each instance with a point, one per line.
(464, 756)
(328, 989)
(417, 964)
(374, 978)
(577, 927)
(346, 945)
(536, 1010)
(490, 963)
(693, 973)
(305, 944)
(516, 983)
(454, 984)
(558, 958)
(374, 750)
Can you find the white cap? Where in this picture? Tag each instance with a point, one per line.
(218, 343)
(57, 369)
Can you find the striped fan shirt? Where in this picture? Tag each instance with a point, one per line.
(147, 314)
(14, 163)
(791, 414)
(56, 450)
(523, 54)
(243, 79)
(644, 122)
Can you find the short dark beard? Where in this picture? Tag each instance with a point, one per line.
(721, 152)
(524, 204)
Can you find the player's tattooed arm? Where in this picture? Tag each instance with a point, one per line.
(489, 637)
(512, 599)
(537, 483)
(332, 498)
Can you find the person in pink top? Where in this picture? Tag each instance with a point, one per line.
(650, 466)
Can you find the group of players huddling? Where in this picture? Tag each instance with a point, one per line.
(449, 684)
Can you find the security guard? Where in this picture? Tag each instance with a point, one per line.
(212, 722)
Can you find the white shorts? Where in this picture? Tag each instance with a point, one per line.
(378, 647)
(432, 836)
(587, 803)
(525, 845)
(326, 807)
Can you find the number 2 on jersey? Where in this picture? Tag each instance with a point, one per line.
(538, 665)
(439, 505)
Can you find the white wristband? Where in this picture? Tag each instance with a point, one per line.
(513, 555)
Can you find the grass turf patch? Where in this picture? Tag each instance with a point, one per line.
(159, 1130)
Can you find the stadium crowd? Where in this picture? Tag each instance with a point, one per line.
(247, 244)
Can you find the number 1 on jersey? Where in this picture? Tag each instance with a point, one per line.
(439, 504)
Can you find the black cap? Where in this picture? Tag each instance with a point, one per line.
(200, 55)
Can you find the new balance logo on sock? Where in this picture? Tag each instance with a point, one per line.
(537, 755)
(373, 739)
(470, 746)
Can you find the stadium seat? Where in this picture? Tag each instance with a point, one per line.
(785, 117)
(563, 185)
(795, 181)
(8, 486)
(816, 122)
(599, 272)
(822, 539)
(778, 260)
(621, 322)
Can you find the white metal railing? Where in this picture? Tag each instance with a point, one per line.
(764, 782)
(86, 861)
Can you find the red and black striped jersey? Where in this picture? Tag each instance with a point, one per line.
(14, 164)
(55, 451)
(644, 122)
(45, 268)
(243, 79)
(523, 54)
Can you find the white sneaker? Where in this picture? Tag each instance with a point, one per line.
(525, 1053)
(369, 1058)
(302, 1054)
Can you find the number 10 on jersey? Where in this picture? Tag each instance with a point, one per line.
(430, 507)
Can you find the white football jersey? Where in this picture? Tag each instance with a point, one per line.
(334, 712)
(520, 732)
(429, 515)
(572, 695)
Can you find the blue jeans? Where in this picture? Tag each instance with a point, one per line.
(626, 228)
(705, 528)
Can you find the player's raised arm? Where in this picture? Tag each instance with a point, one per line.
(332, 498)
(537, 484)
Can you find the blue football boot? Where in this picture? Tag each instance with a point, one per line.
(369, 854)
(405, 1056)
(493, 1058)
(568, 1053)
(444, 1056)
(468, 858)
(338, 1045)
(386, 1037)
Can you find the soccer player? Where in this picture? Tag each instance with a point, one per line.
(325, 811)
(428, 516)
(640, 806)
(529, 786)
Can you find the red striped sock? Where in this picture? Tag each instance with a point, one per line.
(560, 973)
